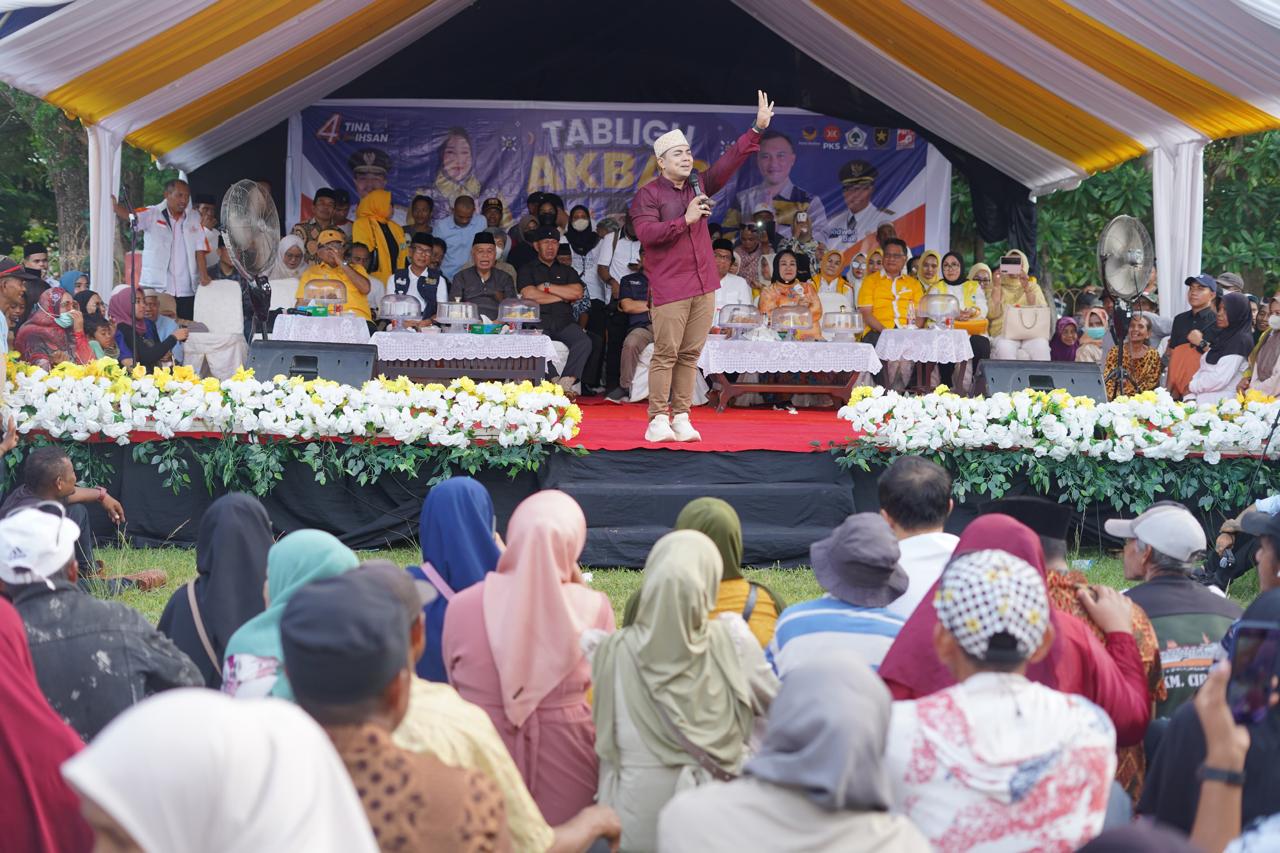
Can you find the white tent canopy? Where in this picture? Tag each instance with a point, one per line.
(1048, 92)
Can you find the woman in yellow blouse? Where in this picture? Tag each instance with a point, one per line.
(787, 289)
(754, 602)
(1020, 291)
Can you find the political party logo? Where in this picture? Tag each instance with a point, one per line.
(882, 137)
(906, 139)
(831, 133)
(809, 134)
(856, 138)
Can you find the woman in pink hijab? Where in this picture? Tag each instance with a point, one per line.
(512, 646)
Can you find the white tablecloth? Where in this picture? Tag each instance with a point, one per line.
(342, 329)
(933, 346)
(725, 356)
(414, 346)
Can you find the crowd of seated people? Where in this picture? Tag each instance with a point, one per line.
(576, 269)
(294, 697)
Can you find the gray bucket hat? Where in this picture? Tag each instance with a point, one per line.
(858, 562)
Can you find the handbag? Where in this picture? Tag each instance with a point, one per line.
(204, 636)
(1026, 323)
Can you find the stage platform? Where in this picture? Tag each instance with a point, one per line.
(788, 492)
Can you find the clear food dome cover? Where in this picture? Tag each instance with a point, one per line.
(790, 318)
(519, 311)
(324, 291)
(940, 307)
(398, 307)
(842, 325)
(459, 315)
(740, 317)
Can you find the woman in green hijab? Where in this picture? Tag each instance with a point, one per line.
(677, 692)
(755, 602)
(254, 665)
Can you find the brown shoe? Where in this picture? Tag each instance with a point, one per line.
(147, 580)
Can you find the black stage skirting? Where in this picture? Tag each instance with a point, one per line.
(786, 501)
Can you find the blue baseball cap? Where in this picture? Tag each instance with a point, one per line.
(1204, 280)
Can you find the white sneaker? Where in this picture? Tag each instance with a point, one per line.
(683, 430)
(659, 429)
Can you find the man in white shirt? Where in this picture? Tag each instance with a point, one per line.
(172, 236)
(420, 280)
(861, 217)
(734, 289)
(619, 256)
(915, 498)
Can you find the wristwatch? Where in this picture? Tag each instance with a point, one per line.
(546, 288)
(1205, 773)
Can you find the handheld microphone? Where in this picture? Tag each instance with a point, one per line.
(695, 183)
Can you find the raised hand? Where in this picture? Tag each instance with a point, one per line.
(764, 109)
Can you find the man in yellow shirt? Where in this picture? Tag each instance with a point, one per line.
(886, 296)
(331, 266)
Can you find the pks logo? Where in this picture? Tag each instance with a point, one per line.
(831, 133)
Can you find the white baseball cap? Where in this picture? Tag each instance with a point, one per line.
(1168, 527)
(35, 544)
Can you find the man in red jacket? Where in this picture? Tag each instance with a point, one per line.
(670, 219)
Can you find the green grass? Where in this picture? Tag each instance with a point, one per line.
(794, 585)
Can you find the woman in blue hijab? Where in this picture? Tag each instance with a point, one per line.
(459, 547)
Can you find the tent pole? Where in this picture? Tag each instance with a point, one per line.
(104, 177)
(1177, 190)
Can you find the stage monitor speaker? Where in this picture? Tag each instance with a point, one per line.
(1081, 379)
(350, 364)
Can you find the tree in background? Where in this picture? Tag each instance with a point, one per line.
(52, 153)
(1241, 203)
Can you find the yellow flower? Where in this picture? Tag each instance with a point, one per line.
(243, 374)
(139, 371)
(573, 413)
(861, 393)
(1252, 396)
(211, 384)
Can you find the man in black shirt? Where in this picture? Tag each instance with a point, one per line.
(1192, 332)
(556, 287)
(482, 283)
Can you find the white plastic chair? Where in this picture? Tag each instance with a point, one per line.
(221, 350)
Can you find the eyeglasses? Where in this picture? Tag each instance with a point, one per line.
(893, 255)
(983, 279)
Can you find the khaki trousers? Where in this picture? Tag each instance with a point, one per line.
(679, 333)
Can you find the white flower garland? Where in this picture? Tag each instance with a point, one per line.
(1058, 425)
(102, 400)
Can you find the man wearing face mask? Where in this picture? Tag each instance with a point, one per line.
(670, 219)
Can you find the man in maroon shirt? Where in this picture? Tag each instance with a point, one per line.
(671, 222)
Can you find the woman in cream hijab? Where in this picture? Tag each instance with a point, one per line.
(818, 782)
(674, 703)
(194, 770)
(1018, 291)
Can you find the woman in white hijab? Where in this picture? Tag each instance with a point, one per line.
(817, 784)
(195, 770)
(290, 259)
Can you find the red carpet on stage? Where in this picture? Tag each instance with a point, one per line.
(606, 426)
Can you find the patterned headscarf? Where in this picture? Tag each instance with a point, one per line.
(994, 604)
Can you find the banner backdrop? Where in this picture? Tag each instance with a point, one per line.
(849, 178)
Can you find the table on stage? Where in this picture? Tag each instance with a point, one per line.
(436, 356)
(722, 357)
(338, 329)
(925, 348)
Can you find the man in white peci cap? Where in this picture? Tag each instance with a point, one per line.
(670, 218)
